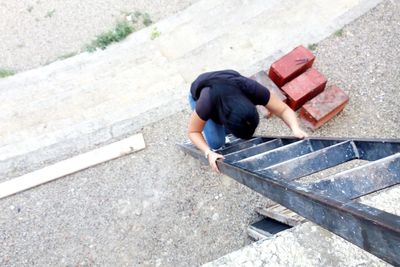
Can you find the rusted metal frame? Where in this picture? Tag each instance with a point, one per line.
(193, 151)
(371, 229)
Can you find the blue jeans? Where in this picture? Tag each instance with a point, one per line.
(214, 133)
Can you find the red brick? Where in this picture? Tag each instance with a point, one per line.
(324, 107)
(262, 78)
(291, 65)
(304, 88)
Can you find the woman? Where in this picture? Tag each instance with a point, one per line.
(225, 102)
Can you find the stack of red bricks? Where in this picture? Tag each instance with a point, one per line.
(296, 82)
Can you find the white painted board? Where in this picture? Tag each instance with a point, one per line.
(72, 165)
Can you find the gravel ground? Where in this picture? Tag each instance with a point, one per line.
(159, 207)
(156, 206)
(36, 32)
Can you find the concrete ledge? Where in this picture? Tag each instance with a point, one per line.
(304, 245)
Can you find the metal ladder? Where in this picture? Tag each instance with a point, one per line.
(273, 166)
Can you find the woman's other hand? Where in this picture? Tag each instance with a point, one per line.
(279, 108)
(299, 133)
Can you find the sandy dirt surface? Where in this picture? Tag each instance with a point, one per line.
(37, 32)
(159, 207)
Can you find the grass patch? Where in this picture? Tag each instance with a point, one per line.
(50, 13)
(312, 47)
(6, 72)
(339, 33)
(132, 21)
(121, 31)
(155, 33)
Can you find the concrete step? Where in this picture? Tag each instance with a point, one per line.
(97, 98)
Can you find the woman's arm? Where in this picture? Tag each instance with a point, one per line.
(280, 109)
(195, 128)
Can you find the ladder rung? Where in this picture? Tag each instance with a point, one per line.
(242, 144)
(275, 156)
(312, 162)
(374, 150)
(362, 180)
(254, 150)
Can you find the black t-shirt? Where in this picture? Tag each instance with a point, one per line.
(255, 92)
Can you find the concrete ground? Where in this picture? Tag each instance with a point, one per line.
(159, 207)
(35, 32)
(305, 245)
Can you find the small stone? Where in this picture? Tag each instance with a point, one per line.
(138, 212)
(215, 217)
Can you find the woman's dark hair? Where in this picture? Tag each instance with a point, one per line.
(235, 111)
(240, 116)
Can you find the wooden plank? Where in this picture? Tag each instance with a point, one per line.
(72, 165)
(257, 234)
(281, 214)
